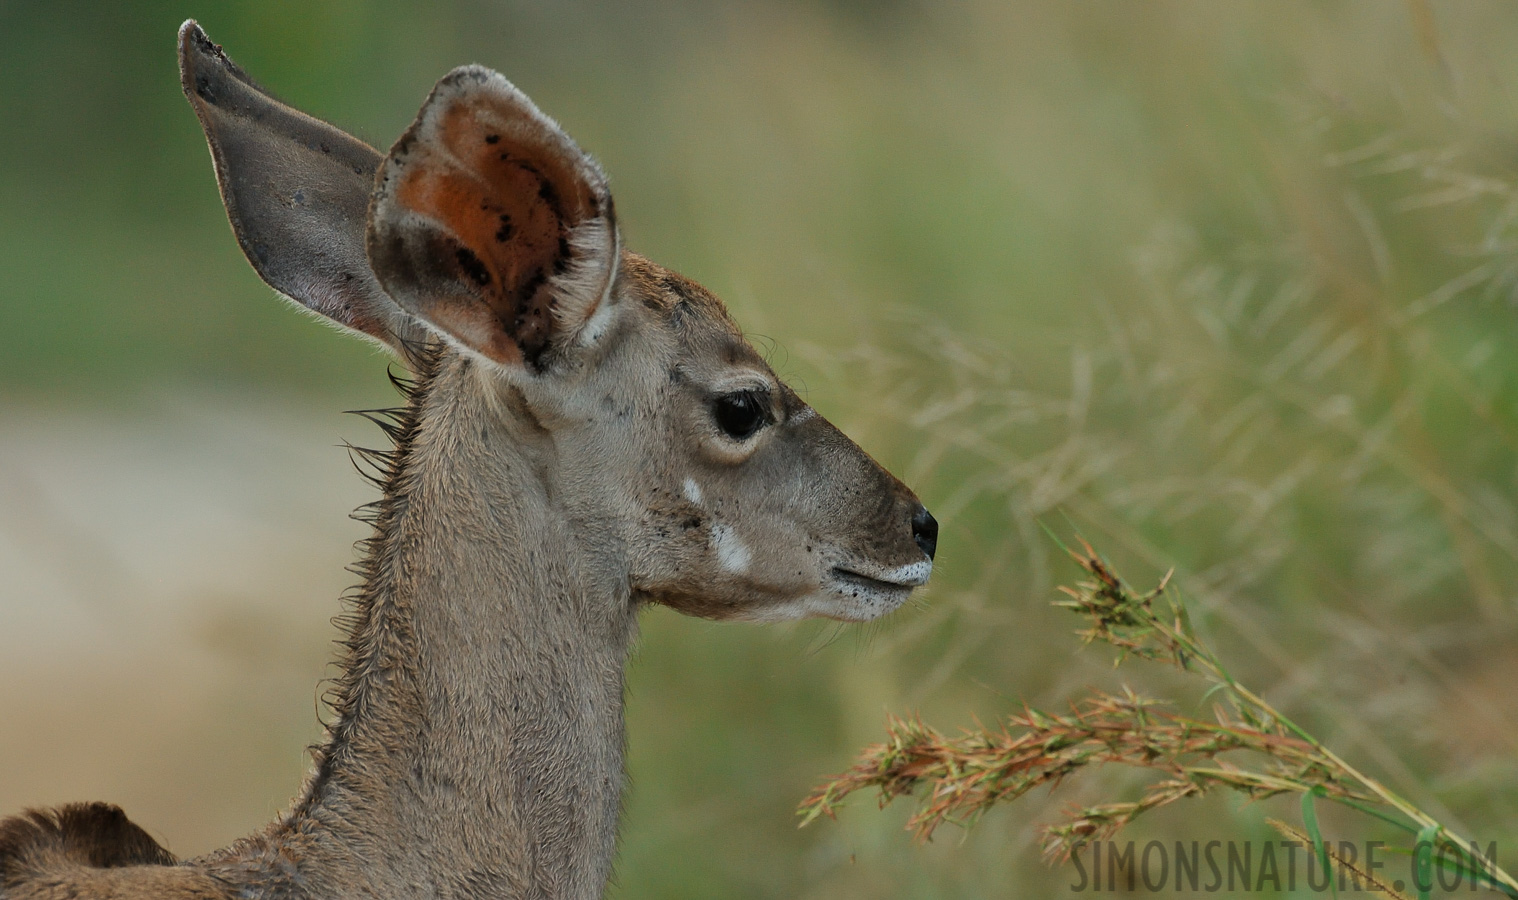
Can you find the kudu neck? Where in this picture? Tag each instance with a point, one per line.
(478, 746)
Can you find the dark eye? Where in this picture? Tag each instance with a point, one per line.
(741, 413)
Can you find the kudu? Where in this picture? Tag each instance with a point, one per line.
(585, 433)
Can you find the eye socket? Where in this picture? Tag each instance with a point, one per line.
(741, 413)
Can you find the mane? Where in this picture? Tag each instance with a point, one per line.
(96, 835)
(369, 633)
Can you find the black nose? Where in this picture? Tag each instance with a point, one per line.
(925, 531)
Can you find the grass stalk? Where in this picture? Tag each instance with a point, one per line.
(1248, 746)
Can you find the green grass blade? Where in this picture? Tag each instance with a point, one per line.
(1423, 860)
(1217, 686)
(1310, 825)
(1386, 817)
(1054, 537)
(1460, 867)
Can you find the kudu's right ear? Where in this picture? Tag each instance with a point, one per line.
(297, 192)
(489, 223)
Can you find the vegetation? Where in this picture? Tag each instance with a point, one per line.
(964, 776)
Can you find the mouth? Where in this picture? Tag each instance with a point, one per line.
(858, 590)
(847, 579)
(868, 596)
(882, 582)
(900, 578)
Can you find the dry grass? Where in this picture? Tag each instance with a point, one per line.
(1248, 747)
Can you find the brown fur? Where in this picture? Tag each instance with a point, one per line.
(83, 850)
(550, 477)
(86, 834)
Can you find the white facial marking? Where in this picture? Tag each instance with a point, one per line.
(732, 553)
(913, 573)
(806, 413)
(908, 576)
(693, 491)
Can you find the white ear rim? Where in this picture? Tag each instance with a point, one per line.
(584, 292)
(585, 308)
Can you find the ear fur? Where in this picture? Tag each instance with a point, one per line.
(296, 191)
(490, 224)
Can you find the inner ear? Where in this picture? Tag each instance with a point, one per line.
(489, 223)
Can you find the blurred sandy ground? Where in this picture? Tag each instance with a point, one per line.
(169, 568)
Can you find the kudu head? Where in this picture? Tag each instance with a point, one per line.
(701, 480)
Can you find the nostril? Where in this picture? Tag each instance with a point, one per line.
(925, 531)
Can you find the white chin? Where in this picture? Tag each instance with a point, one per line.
(855, 599)
(847, 596)
(843, 601)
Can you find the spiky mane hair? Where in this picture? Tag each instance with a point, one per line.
(370, 629)
(97, 835)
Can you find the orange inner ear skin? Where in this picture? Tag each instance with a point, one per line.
(485, 138)
(510, 206)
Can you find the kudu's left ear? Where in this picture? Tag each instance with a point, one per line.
(297, 192)
(489, 223)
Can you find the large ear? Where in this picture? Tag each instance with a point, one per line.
(489, 223)
(297, 192)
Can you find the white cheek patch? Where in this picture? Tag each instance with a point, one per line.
(806, 413)
(732, 553)
(693, 491)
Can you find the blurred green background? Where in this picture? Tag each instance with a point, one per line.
(1224, 287)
